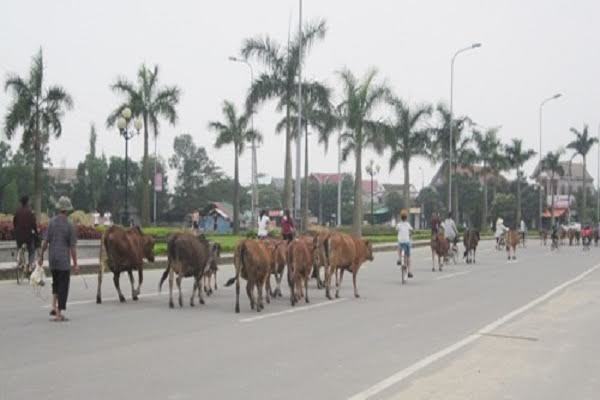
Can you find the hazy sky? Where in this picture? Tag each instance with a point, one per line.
(531, 50)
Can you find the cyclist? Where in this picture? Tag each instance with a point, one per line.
(450, 230)
(26, 232)
(499, 234)
(523, 231)
(404, 231)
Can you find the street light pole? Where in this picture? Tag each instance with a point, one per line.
(372, 170)
(451, 139)
(542, 104)
(298, 186)
(123, 126)
(339, 185)
(253, 173)
(598, 181)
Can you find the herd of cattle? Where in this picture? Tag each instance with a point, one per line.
(124, 250)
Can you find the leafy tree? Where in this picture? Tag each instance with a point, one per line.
(152, 102)
(269, 197)
(10, 198)
(91, 178)
(516, 157)
(234, 130)
(551, 163)
(38, 110)
(582, 144)
(488, 148)
(503, 206)
(431, 201)
(407, 137)
(462, 154)
(360, 99)
(113, 199)
(395, 203)
(280, 80)
(194, 170)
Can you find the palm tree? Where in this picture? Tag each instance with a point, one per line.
(38, 110)
(582, 145)
(461, 151)
(360, 99)
(552, 164)
(407, 137)
(517, 156)
(317, 115)
(488, 149)
(234, 130)
(280, 81)
(152, 102)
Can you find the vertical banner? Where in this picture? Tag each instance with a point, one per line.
(158, 182)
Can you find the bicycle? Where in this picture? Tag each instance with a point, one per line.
(403, 262)
(22, 269)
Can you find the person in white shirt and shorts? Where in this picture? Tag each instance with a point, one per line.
(404, 232)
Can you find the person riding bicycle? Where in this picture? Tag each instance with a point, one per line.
(26, 232)
(500, 230)
(450, 230)
(523, 231)
(554, 234)
(404, 231)
(586, 235)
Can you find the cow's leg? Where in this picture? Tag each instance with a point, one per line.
(328, 272)
(196, 286)
(432, 260)
(200, 288)
(140, 280)
(178, 280)
(171, 276)
(306, 288)
(133, 293)
(237, 291)
(99, 290)
(116, 277)
(250, 293)
(259, 291)
(339, 275)
(278, 278)
(354, 273)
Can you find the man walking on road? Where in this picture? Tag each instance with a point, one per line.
(61, 240)
(25, 227)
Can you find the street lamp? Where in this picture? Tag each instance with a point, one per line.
(372, 170)
(127, 133)
(253, 173)
(542, 104)
(451, 139)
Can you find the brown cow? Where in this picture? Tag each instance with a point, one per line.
(252, 261)
(512, 239)
(344, 252)
(278, 250)
(471, 240)
(124, 250)
(188, 256)
(321, 260)
(300, 265)
(440, 247)
(213, 266)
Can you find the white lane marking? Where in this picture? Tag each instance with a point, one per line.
(291, 311)
(439, 278)
(425, 362)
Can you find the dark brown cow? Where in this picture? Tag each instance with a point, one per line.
(439, 247)
(252, 261)
(124, 250)
(188, 256)
(471, 240)
(278, 250)
(512, 240)
(300, 265)
(213, 266)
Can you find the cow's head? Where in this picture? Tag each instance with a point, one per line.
(148, 243)
(369, 250)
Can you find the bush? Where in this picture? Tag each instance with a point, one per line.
(81, 218)
(83, 232)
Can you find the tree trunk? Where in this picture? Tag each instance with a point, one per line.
(305, 206)
(37, 174)
(406, 167)
(484, 207)
(287, 178)
(145, 177)
(455, 196)
(236, 191)
(552, 199)
(519, 211)
(357, 211)
(583, 216)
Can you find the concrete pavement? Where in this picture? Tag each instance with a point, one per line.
(326, 350)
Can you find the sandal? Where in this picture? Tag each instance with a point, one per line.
(52, 313)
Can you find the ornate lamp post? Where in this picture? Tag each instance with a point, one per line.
(372, 170)
(127, 133)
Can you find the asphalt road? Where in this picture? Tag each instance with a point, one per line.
(495, 330)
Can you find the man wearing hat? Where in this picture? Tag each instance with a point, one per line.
(60, 240)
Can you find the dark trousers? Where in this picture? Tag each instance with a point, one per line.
(60, 287)
(288, 236)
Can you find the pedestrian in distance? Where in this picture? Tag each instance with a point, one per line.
(287, 226)
(263, 225)
(60, 241)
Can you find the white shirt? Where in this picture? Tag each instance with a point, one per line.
(404, 230)
(500, 229)
(523, 227)
(263, 224)
(450, 230)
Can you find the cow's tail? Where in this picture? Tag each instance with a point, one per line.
(103, 252)
(239, 256)
(327, 248)
(171, 255)
(164, 276)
